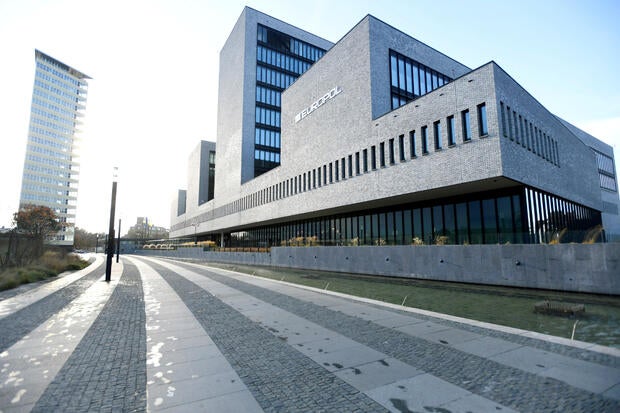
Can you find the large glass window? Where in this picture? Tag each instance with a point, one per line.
(475, 222)
(280, 59)
(410, 79)
(407, 227)
(427, 225)
(490, 223)
(606, 170)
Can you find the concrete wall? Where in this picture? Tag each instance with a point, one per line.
(591, 268)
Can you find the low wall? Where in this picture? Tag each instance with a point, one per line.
(593, 268)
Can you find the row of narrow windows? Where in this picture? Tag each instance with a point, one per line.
(361, 162)
(527, 134)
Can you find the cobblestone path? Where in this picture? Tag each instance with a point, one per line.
(178, 337)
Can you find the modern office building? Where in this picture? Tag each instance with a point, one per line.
(51, 167)
(385, 140)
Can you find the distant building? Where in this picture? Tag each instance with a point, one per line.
(144, 230)
(51, 167)
(384, 140)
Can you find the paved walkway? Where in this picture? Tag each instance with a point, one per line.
(171, 336)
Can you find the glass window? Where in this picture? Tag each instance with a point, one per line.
(365, 159)
(409, 77)
(350, 166)
(391, 151)
(373, 157)
(401, 74)
(382, 154)
(451, 134)
(516, 127)
(427, 225)
(449, 223)
(336, 170)
(357, 163)
(382, 230)
(438, 227)
(424, 141)
(504, 219)
(407, 227)
(417, 224)
(475, 222)
(390, 239)
(342, 169)
(394, 68)
(437, 135)
(490, 223)
(482, 120)
(423, 81)
(466, 125)
(416, 80)
(375, 228)
(412, 150)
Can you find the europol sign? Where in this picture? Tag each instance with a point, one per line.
(320, 102)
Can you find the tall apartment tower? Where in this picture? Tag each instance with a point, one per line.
(262, 57)
(51, 167)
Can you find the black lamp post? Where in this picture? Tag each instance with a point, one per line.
(118, 245)
(110, 251)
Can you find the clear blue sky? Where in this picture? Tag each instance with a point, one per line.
(154, 65)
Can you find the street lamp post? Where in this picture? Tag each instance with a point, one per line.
(110, 251)
(195, 225)
(97, 243)
(118, 245)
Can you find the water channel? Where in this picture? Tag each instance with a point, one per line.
(513, 307)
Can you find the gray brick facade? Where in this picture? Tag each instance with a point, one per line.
(359, 120)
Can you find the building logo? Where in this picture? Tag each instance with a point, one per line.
(329, 95)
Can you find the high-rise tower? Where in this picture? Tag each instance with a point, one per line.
(51, 168)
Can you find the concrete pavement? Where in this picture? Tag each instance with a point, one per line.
(172, 336)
